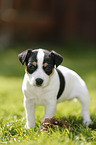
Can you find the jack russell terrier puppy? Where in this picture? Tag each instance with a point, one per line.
(46, 82)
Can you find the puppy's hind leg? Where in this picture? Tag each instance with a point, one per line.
(85, 102)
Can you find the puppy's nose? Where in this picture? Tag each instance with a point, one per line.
(39, 81)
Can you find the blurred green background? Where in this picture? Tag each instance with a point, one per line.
(66, 26)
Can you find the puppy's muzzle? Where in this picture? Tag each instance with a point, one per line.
(39, 81)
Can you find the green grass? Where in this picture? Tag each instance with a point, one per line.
(12, 113)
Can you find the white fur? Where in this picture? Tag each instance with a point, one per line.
(46, 95)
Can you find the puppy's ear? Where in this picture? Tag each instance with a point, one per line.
(57, 58)
(23, 56)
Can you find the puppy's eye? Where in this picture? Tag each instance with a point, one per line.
(31, 68)
(48, 69)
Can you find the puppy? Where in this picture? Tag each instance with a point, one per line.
(46, 82)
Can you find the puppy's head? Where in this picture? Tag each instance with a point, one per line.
(40, 65)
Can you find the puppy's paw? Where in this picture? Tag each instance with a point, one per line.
(87, 123)
(29, 127)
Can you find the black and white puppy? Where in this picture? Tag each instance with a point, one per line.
(46, 82)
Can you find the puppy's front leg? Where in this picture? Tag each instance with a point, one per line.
(30, 113)
(49, 110)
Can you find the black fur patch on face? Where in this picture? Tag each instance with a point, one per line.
(49, 60)
(30, 63)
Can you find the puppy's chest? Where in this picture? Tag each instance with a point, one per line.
(37, 95)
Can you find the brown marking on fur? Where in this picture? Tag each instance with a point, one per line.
(26, 70)
(45, 64)
(51, 73)
(34, 63)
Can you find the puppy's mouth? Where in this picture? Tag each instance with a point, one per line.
(38, 85)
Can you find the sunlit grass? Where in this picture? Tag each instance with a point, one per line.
(12, 113)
